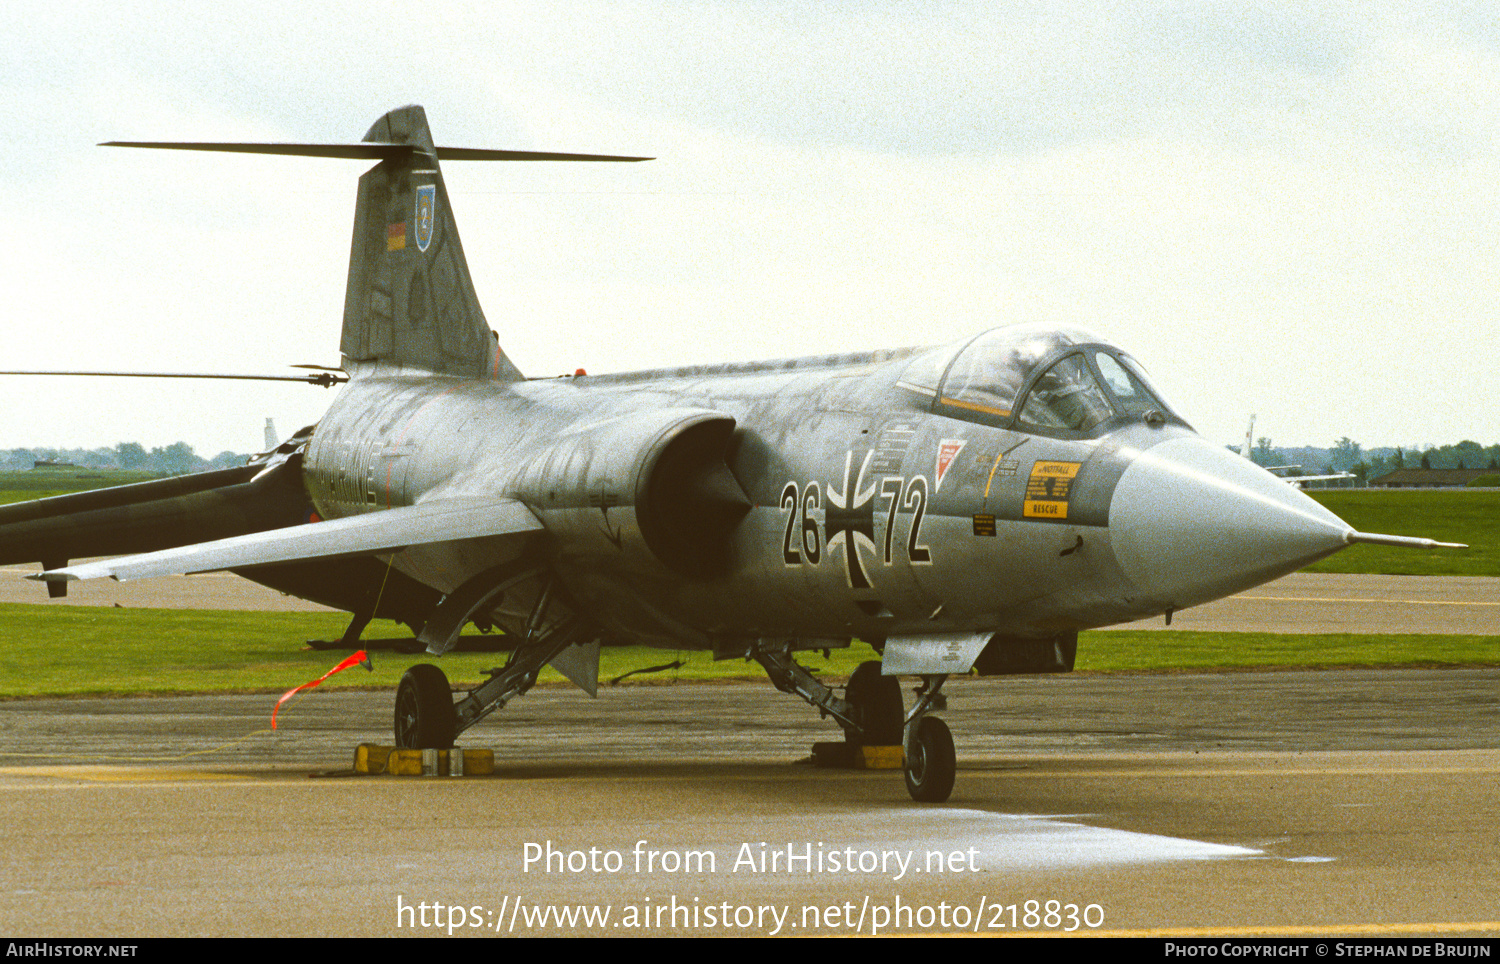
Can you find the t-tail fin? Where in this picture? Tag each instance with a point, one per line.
(410, 304)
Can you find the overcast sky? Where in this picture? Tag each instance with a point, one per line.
(1286, 209)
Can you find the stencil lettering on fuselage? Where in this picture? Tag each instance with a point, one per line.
(1048, 489)
(890, 451)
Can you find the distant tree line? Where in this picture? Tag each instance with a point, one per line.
(175, 459)
(1348, 455)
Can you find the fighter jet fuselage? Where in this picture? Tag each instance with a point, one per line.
(823, 498)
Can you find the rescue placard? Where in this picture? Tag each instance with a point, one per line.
(1048, 488)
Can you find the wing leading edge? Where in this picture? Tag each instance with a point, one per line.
(440, 520)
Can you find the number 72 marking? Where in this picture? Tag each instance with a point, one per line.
(915, 501)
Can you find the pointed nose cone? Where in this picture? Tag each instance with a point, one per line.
(1191, 521)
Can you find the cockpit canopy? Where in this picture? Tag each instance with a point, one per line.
(1051, 380)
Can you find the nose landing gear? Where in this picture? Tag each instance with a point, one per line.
(931, 763)
(871, 713)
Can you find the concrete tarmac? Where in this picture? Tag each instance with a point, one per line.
(1313, 804)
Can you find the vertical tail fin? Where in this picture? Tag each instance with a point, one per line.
(410, 303)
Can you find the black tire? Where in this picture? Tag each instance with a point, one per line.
(424, 710)
(878, 706)
(931, 764)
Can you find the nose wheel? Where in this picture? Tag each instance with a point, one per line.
(425, 718)
(931, 763)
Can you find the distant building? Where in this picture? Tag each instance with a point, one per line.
(1428, 478)
(53, 464)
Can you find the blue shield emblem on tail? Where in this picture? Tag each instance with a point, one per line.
(426, 214)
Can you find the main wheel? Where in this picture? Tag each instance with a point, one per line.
(424, 710)
(878, 705)
(931, 763)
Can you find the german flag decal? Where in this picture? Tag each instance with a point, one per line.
(395, 236)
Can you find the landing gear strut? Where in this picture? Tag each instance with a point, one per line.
(931, 763)
(428, 718)
(872, 713)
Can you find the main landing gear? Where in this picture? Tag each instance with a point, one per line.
(428, 718)
(424, 709)
(877, 705)
(872, 714)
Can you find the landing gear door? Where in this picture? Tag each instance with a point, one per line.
(949, 653)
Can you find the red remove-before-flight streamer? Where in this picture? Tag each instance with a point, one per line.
(354, 660)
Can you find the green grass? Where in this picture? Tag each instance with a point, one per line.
(22, 486)
(78, 650)
(1456, 515)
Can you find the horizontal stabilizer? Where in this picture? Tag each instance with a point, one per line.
(441, 520)
(370, 151)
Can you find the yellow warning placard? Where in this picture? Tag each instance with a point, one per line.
(1048, 488)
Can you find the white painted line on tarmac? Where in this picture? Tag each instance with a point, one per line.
(1001, 841)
